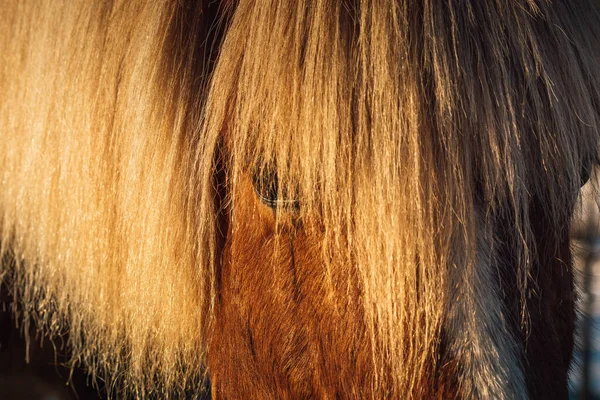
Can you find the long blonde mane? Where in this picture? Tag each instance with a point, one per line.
(406, 130)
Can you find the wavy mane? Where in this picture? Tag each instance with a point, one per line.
(410, 133)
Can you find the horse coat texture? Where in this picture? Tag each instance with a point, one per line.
(299, 199)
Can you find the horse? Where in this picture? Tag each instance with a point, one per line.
(299, 199)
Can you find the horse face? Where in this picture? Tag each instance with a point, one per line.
(277, 315)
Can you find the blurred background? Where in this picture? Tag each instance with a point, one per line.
(45, 376)
(585, 373)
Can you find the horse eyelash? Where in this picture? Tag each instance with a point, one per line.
(266, 188)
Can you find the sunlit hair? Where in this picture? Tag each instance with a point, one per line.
(405, 130)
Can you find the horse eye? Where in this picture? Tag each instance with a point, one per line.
(266, 187)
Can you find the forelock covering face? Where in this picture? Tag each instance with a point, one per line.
(403, 146)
